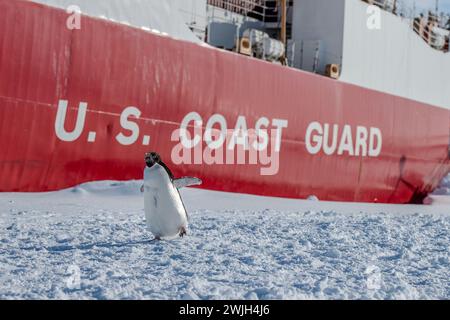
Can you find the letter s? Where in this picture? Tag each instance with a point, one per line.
(263, 136)
(129, 125)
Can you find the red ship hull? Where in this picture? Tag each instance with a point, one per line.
(111, 67)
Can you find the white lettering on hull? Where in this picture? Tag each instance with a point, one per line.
(213, 141)
(345, 140)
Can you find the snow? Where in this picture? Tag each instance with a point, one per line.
(91, 242)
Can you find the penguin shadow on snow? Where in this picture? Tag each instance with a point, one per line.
(89, 246)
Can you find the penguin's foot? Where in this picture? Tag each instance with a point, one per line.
(183, 232)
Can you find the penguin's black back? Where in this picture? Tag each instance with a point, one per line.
(161, 163)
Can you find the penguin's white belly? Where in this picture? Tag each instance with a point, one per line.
(164, 209)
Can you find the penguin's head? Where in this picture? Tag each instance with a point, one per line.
(151, 158)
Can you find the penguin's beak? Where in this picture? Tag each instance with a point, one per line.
(149, 161)
(151, 158)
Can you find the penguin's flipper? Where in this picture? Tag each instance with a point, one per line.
(186, 182)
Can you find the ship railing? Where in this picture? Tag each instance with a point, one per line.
(431, 35)
(387, 5)
(427, 29)
(256, 8)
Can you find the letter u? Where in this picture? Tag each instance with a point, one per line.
(330, 149)
(61, 114)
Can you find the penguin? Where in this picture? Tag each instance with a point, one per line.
(165, 213)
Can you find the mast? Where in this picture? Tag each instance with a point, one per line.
(283, 37)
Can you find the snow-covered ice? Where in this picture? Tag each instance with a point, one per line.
(90, 242)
